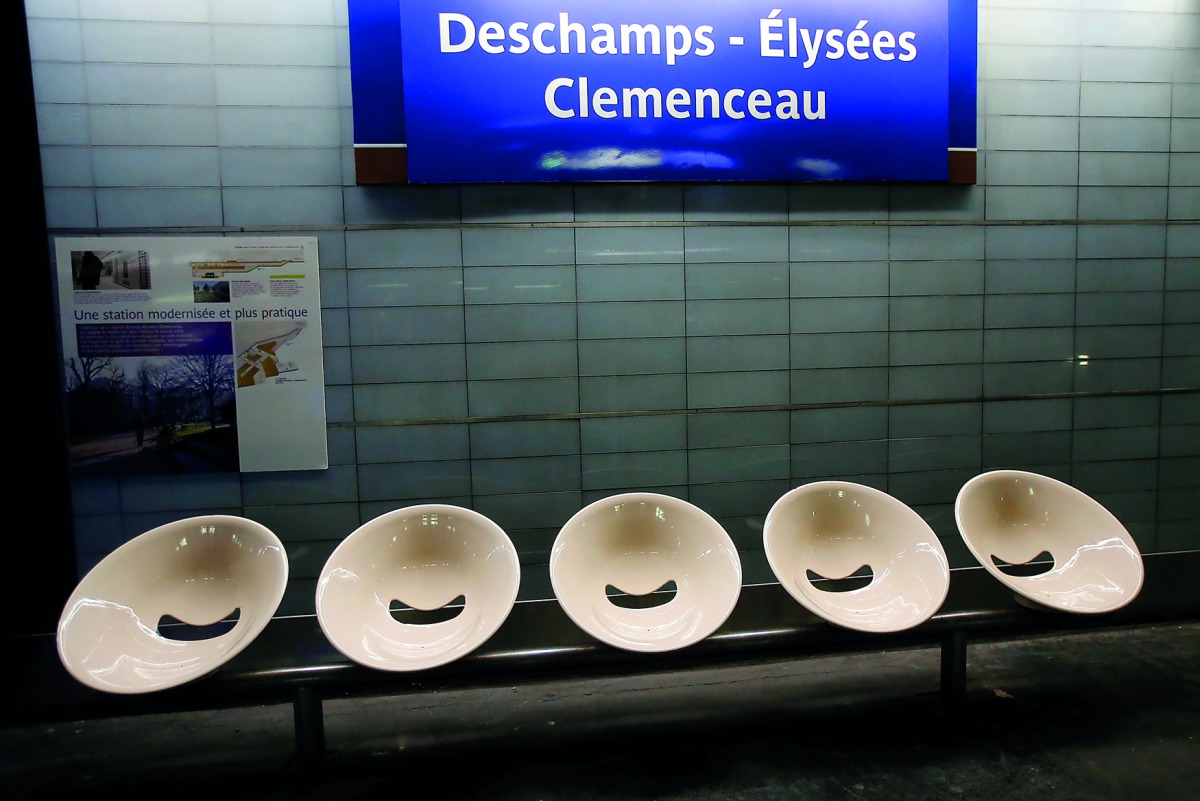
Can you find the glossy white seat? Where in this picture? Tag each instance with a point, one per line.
(635, 545)
(824, 531)
(125, 628)
(423, 558)
(1015, 516)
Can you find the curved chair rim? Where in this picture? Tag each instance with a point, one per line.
(917, 575)
(680, 622)
(376, 639)
(180, 661)
(1104, 591)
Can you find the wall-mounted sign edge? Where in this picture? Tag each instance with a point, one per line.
(503, 92)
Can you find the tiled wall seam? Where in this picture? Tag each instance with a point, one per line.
(718, 342)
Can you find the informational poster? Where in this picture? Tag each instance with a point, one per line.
(823, 90)
(192, 354)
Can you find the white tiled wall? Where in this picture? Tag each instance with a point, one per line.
(554, 344)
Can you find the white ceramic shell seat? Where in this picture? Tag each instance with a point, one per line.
(836, 528)
(424, 557)
(201, 571)
(639, 543)
(1016, 515)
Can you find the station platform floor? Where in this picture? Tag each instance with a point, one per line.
(1097, 715)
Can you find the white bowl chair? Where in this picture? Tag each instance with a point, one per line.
(202, 571)
(637, 544)
(836, 528)
(1014, 516)
(423, 557)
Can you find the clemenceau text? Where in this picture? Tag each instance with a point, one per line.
(779, 37)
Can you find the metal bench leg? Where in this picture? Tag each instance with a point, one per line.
(954, 666)
(310, 729)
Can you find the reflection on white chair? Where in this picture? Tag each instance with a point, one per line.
(645, 572)
(173, 604)
(856, 556)
(418, 587)
(1077, 556)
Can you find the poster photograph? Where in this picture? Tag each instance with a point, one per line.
(192, 354)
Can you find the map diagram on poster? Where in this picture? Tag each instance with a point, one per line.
(192, 354)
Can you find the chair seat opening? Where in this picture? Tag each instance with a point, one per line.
(626, 600)
(855, 581)
(1042, 563)
(402, 613)
(172, 628)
